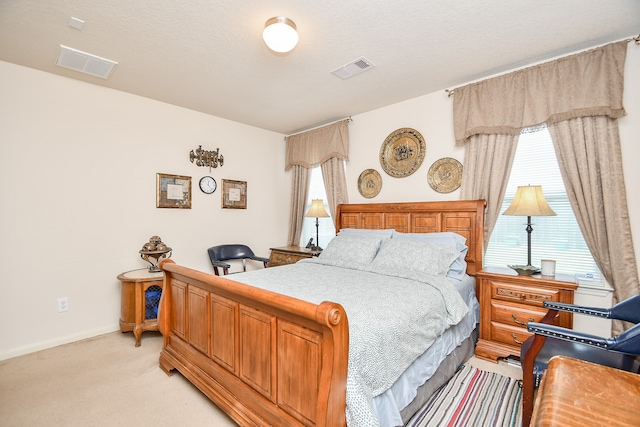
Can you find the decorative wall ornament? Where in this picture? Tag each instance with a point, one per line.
(234, 194)
(153, 252)
(205, 158)
(402, 152)
(173, 191)
(445, 175)
(369, 183)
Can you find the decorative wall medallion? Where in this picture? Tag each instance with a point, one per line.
(445, 175)
(402, 152)
(369, 183)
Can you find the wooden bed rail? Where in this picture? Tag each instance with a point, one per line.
(262, 357)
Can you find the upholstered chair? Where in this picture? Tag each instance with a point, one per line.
(221, 253)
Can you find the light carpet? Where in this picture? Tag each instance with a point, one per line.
(473, 397)
(105, 381)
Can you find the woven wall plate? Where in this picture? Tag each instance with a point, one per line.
(402, 152)
(445, 175)
(369, 183)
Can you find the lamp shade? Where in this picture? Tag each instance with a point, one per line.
(529, 201)
(280, 34)
(317, 209)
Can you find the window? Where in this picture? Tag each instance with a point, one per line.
(553, 237)
(326, 229)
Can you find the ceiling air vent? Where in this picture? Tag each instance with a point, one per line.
(354, 67)
(85, 62)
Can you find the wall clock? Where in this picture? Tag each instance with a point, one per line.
(208, 185)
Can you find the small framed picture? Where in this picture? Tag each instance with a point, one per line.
(173, 191)
(234, 194)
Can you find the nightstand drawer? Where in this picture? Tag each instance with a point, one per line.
(522, 294)
(516, 314)
(512, 335)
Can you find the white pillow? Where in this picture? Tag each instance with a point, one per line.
(351, 249)
(458, 268)
(424, 257)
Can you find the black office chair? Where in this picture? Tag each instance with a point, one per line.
(549, 340)
(221, 253)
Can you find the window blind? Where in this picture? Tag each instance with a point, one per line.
(553, 237)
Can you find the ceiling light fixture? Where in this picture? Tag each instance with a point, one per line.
(280, 34)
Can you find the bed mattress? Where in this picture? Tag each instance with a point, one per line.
(384, 340)
(389, 405)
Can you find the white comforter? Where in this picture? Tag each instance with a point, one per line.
(394, 316)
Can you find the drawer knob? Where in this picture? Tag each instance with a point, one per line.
(516, 321)
(515, 339)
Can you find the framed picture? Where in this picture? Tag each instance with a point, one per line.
(173, 191)
(234, 194)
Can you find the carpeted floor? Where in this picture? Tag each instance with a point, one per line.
(106, 381)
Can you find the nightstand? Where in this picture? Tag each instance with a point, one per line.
(508, 301)
(289, 255)
(141, 292)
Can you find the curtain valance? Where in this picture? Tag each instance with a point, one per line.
(586, 84)
(311, 148)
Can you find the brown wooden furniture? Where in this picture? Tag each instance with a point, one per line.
(577, 393)
(268, 359)
(465, 217)
(508, 301)
(289, 255)
(135, 285)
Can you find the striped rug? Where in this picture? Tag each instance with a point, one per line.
(473, 398)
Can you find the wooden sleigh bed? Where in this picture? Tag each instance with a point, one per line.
(269, 359)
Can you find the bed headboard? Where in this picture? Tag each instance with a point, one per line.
(465, 217)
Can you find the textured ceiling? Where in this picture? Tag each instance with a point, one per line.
(208, 55)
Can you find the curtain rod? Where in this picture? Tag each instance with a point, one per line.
(348, 119)
(450, 92)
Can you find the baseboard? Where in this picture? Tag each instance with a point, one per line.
(43, 345)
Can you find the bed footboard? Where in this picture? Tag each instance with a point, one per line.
(263, 358)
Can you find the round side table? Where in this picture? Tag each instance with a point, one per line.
(141, 291)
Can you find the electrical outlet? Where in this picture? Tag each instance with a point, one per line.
(63, 304)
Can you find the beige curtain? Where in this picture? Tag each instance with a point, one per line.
(314, 147)
(299, 191)
(487, 166)
(586, 84)
(335, 184)
(327, 146)
(579, 97)
(588, 151)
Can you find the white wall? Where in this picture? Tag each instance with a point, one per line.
(78, 165)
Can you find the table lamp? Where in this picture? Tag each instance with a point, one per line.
(529, 201)
(316, 211)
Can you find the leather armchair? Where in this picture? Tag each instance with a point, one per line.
(549, 340)
(221, 253)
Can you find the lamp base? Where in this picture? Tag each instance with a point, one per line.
(524, 270)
